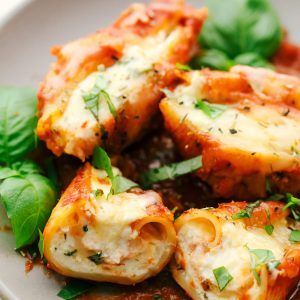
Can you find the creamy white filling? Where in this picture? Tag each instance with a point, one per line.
(233, 253)
(261, 129)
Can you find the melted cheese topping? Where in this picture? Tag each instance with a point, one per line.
(258, 129)
(125, 251)
(232, 253)
(125, 80)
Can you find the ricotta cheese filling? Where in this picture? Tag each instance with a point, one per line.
(232, 253)
(124, 82)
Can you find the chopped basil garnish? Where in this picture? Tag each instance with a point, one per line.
(293, 204)
(269, 229)
(102, 161)
(119, 183)
(171, 171)
(295, 236)
(70, 253)
(182, 67)
(223, 277)
(97, 193)
(247, 212)
(211, 110)
(41, 243)
(92, 99)
(260, 257)
(75, 289)
(96, 258)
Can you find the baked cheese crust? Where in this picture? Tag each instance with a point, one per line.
(104, 89)
(253, 136)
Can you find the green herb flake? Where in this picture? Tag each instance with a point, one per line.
(222, 276)
(293, 204)
(96, 193)
(295, 236)
(41, 244)
(70, 253)
(74, 289)
(85, 228)
(269, 229)
(93, 98)
(272, 265)
(121, 184)
(170, 171)
(96, 258)
(182, 67)
(157, 297)
(213, 111)
(247, 212)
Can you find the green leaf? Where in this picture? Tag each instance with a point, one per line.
(272, 265)
(96, 258)
(25, 167)
(295, 236)
(262, 255)
(293, 204)
(41, 244)
(269, 229)
(211, 110)
(223, 277)
(171, 171)
(121, 184)
(75, 289)
(6, 172)
(252, 59)
(247, 212)
(241, 26)
(102, 161)
(213, 59)
(51, 171)
(182, 67)
(157, 297)
(17, 123)
(28, 201)
(93, 98)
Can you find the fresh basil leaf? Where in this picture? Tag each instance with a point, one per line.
(295, 236)
(241, 26)
(6, 172)
(252, 59)
(293, 204)
(17, 123)
(213, 59)
(121, 184)
(28, 201)
(75, 289)
(182, 67)
(51, 171)
(27, 167)
(41, 244)
(269, 229)
(171, 171)
(247, 212)
(93, 98)
(211, 110)
(262, 255)
(102, 161)
(223, 277)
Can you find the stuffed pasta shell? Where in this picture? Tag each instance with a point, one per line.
(122, 238)
(221, 255)
(245, 123)
(105, 88)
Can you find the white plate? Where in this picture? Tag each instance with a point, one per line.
(25, 40)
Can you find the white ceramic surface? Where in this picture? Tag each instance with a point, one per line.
(26, 35)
